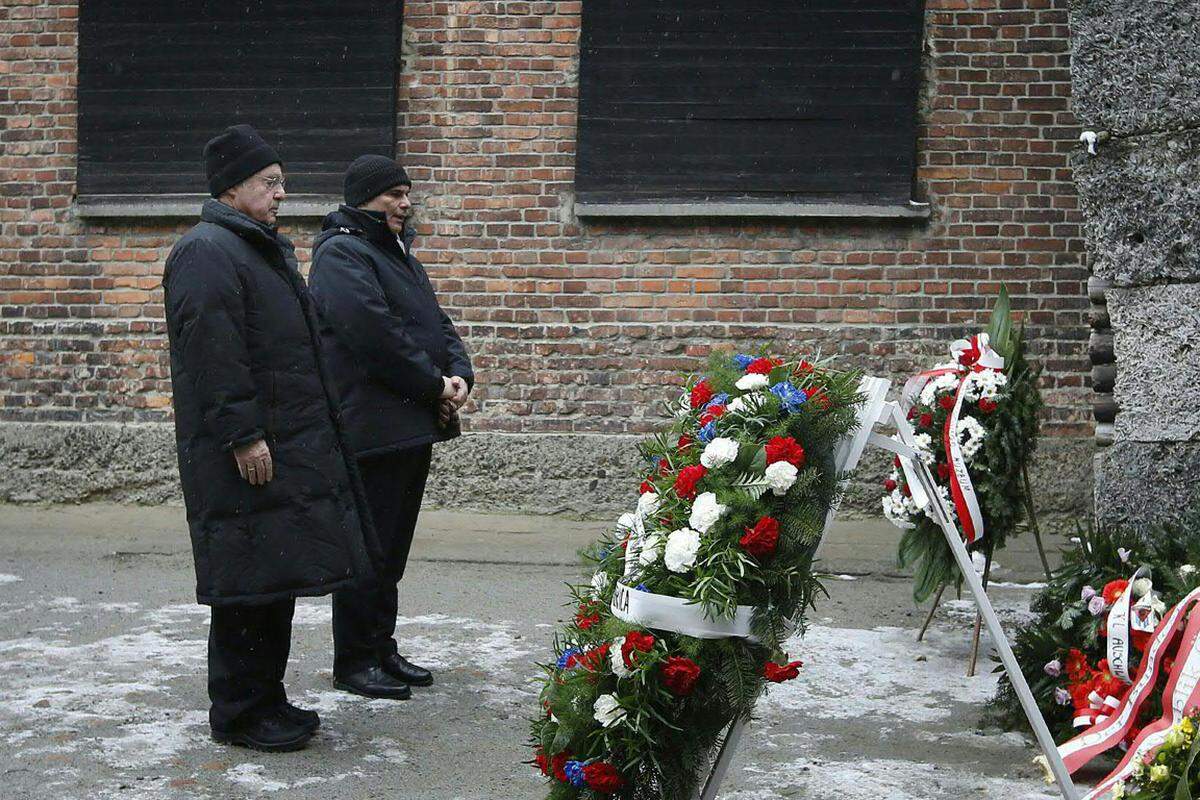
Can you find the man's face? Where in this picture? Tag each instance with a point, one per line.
(259, 196)
(394, 204)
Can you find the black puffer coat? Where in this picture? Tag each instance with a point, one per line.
(245, 366)
(387, 341)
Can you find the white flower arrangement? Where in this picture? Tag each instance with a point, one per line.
(607, 709)
(682, 547)
(648, 503)
(616, 660)
(649, 548)
(752, 381)
(719, 452)
(780, 476)
(970, 436)
(749, 403)
(705, 512)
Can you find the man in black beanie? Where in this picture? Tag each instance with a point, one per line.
(402, 373)
(274, 504)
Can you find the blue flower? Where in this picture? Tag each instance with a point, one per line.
(656, 460)
(641, 587)
(574, 773)
(708, 432)
(718, 400)
(742, 360)
(789, 396)
(604, 553)
(562, 660)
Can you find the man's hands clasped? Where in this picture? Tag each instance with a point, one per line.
(254, 463)
(454, 396)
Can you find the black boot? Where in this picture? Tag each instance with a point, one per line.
(271, 733)
(309, 720)
(399, 667)
(373, 682)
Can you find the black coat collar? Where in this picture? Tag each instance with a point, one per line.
(371, 225)
(251, 230)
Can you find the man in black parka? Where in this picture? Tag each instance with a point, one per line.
(394, 355)
(274, 504)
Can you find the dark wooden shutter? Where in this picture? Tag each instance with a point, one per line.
(813, 100)
(158, 78)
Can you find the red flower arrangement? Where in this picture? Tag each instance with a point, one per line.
(785, 448)
(761, 540)
(686, 480)
(778, 673)
(679, 675)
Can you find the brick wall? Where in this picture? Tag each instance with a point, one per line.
(575, 325)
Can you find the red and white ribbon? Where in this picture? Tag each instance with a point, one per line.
(1183, 690)
(1118, 630)
(1113, 730)
(974, 355)
(1099, 709)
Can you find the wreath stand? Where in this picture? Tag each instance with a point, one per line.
(674, 614)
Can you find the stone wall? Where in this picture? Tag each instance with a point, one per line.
(1137, 83)
(575, 325)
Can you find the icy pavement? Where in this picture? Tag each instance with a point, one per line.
(102, 692)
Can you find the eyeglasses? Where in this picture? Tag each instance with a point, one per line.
(274, 182)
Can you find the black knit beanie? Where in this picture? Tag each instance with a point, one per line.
(233, 156)
(370, 176)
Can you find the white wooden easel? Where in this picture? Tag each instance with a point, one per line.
(875, 411)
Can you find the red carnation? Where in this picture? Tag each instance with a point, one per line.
(557, 763)
(602, 777)
(635, 640)
(889, 484)
(818, 396)
(685, 441)
(761, 366)
(591, 660)
(711, 413)
(926, 420)
(586, 622)
(541, 762)
(761, 540)
(912, 413)
(1114, 589)
(646, 487)
(785, 448)
(907, 492)
(896, 462)
(679, 675)
(987, 406)
(804, 366)
(944, 471)
(686, 480)
(701, 394)
(946, 401)
(778, 673)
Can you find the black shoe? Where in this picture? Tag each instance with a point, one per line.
(309, 720)
(270, 733)
(373, 682)
(399, 667)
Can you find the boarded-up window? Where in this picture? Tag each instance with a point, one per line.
(158, 78)
(809, 101)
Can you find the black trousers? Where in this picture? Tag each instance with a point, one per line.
(364, 617)
(248, 649)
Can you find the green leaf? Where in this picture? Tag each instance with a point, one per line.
(1184, 790)
(1000, 328)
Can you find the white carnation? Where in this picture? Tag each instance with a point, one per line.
(615, 659)
(939, 385)
(705, 512)
(748, 383)
(682, 546)
(748, 403)
(607, 708)
(719, 452)
(650, 547)
(648, 504)
(781, 475)
(626, 522)
(1141, 586)
(1187, 569)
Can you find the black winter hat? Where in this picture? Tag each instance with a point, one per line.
(233, 156)
(370, 176)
